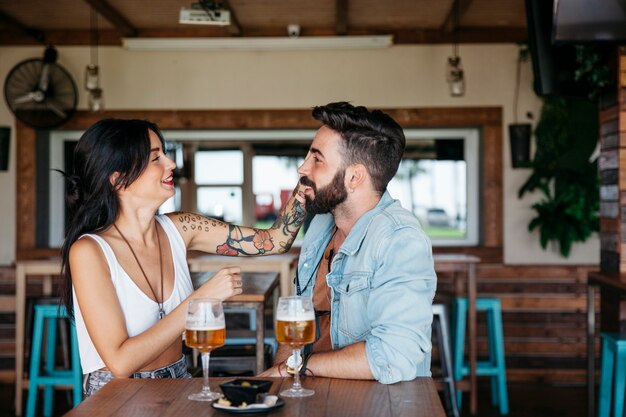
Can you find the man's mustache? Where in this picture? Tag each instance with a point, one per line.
(307, 182)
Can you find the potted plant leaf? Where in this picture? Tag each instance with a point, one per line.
(566, 135)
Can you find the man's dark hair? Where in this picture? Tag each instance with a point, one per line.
(371, 138)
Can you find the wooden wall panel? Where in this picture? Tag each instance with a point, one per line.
(544, 316)
(612, 119)
(25, 188)
(612, 181)
(492, 186)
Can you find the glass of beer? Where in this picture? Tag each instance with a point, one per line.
(295, 326)
(205, 330)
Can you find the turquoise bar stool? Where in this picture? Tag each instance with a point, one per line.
(612, 375)
(49, 377)
(494, 367)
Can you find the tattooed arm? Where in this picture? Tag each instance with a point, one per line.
(213, 236)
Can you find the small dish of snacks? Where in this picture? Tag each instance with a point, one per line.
(246, 396)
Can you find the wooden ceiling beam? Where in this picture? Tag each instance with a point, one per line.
(234, 29)
(14, 25)
(464, 35)
(448, 23)
(114, 17)
(341, 17)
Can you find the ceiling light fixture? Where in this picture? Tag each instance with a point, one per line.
(258, 43)
(205, 13)
(454, 69)
(455, 77)
(92, 72)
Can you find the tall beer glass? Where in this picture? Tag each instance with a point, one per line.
(295, 326)
(205, 330)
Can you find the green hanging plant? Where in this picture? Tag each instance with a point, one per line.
(592, 72)
(566, 135)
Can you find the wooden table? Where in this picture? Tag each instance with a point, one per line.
(616, 284)
(284, 264)
(257, 288)
(333, 398)
(463, 268)
(43, 269)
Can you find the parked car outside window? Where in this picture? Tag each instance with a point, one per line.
(437, 217)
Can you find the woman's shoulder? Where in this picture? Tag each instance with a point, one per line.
(92, 245)
(86, 245)
(87, 255)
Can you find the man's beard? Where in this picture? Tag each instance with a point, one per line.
(328, 197)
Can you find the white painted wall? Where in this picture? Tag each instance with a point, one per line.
(400, 76)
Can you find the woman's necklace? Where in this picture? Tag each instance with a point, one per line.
(161, 311)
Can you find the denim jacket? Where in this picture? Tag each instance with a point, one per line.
(382, 284)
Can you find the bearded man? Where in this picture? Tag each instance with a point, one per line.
(365, 260)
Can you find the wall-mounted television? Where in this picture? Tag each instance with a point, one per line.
(582, 21)
(554, 60)
(550, 62)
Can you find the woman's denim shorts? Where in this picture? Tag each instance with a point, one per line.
(95, 380)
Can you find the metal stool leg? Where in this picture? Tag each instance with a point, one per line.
(35, 360)
(65, 350)
(499, 359)
(619, 385)
(460, 321)
(440, 322)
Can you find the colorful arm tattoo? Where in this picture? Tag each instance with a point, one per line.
(256, 243)
(289, 221)
(261, 241)
(250, 241)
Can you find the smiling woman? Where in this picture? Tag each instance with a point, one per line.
(124, 268)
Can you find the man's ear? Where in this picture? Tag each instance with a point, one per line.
(356, 174)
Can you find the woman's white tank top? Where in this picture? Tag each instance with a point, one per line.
(140, 311)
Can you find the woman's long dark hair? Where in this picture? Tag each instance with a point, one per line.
(107, 147)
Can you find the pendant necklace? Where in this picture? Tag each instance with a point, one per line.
(160, 304)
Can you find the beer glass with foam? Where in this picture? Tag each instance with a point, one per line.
(205, 330)
(295, 327)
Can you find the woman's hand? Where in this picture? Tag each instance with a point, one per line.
(224, 284)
